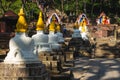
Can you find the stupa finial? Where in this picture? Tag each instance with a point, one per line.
(40, 23)
(52, 24)
(58, 28)
(21, 25)
(76, 25)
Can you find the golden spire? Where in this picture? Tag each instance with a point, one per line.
(52, 24)
(40, 23)
(21, 25)
(58, 28)
(76, 25)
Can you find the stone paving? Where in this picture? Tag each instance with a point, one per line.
(96, 69)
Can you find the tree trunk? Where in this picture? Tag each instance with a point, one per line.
(92, 8)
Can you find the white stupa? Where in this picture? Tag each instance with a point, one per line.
(41, 39)
(21, 47)
(76, 31)
(53, 38)
(59, 34)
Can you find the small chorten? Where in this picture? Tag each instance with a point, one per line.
(53, 38)
(21, 63)
(41, 39)
(21, 46)
(76, 32)
(59, 34)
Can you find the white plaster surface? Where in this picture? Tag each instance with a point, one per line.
(60, 37)
(21, 50)
(53, 41)
(41, 42)
(76, 33)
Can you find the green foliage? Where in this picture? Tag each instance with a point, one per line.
(6, 5)
(16, 5)
(117, 20)
(93, 7)
(31, 10)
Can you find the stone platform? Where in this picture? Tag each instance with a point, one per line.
(52, 61)
(29, 71)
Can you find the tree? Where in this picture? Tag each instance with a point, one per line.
(6, 5)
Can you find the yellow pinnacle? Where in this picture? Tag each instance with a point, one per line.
(58, 28)
(76, 25)
(40, 23)
(52, 24)
(21, 25)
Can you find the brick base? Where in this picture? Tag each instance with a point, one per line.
(53, 61)
(30, 71)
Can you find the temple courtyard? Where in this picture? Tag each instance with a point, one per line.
(96, 69)
(104, 66)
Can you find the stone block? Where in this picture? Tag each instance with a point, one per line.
(62, 58)
(41, 54)
(56, 65)
(53, 53)
(55, 71)
(47, 64)
(43, 58)
(44, 53)
(59, 52)
(69, 55)
(48, 54)
(56, 57)
(50, 58)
